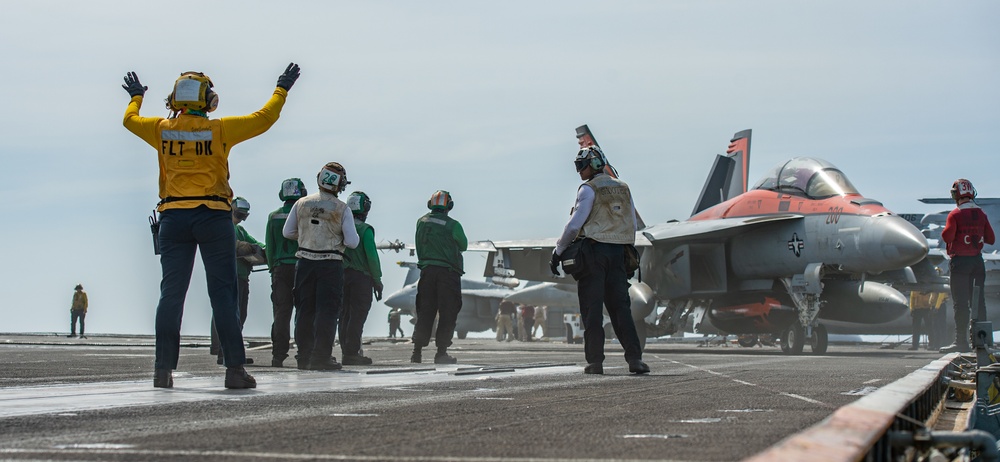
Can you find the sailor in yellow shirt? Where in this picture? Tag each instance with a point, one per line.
(78, 310)
(921, 306)
(195, 210)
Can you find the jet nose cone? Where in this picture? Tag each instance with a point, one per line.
(898, 243)
(398, 299)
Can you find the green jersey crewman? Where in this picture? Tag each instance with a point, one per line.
(281, 263)
(248, 251)
(362, 278)
(440, 241)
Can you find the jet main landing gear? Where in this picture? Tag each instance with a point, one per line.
(794, 339)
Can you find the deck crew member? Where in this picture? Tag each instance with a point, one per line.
(362, 280)
(965, 231)
(323, 226)
(195, 210)
(440, 241)
(604, 218)
(281, 264)
(78, 310)
(505, 320)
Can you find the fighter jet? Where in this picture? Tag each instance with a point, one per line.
(778, 258)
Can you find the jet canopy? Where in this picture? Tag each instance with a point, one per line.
(813, 178)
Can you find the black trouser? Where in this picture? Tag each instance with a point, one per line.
(282, 282)
(243, 300)
(357, 302)
(74, 315)
(921, 325)
(966, 272)
(439, 293)
(183, 234)
(605, 283)
(318, 292)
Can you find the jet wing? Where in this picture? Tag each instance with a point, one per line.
(528, 259)
(689, 258)
(708, 230)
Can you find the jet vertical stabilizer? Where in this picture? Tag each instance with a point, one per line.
(412, 274)
(739, 151)
(715, 190)
(728, 176)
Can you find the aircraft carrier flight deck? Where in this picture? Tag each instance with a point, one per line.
(93, 399)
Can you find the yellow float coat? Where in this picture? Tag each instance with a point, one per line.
(193, 151)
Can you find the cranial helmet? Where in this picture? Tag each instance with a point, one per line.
(962, 188)
(441, 200)
(193, 90)
(359, 203)
(332, 178)
(241, 208)
(292, 189)
(591, 156)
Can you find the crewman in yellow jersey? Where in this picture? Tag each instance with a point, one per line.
(195, 210)
(921, 306)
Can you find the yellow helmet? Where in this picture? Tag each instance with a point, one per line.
(193, 91)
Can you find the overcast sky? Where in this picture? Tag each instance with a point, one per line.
(478, 98)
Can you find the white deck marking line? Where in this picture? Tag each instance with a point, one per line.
(51, 399)
(743, 382)
(145, 454)
(803, 398)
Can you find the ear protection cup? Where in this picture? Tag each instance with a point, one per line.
(211, 100)
(597, 164)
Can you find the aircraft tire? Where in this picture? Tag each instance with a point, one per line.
(819, 340)
(794, 339)
(747, 340)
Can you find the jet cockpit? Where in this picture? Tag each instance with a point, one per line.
(809, 177)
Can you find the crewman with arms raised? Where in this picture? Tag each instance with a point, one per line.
(604, 218)
(965, 231)
(195, 208)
